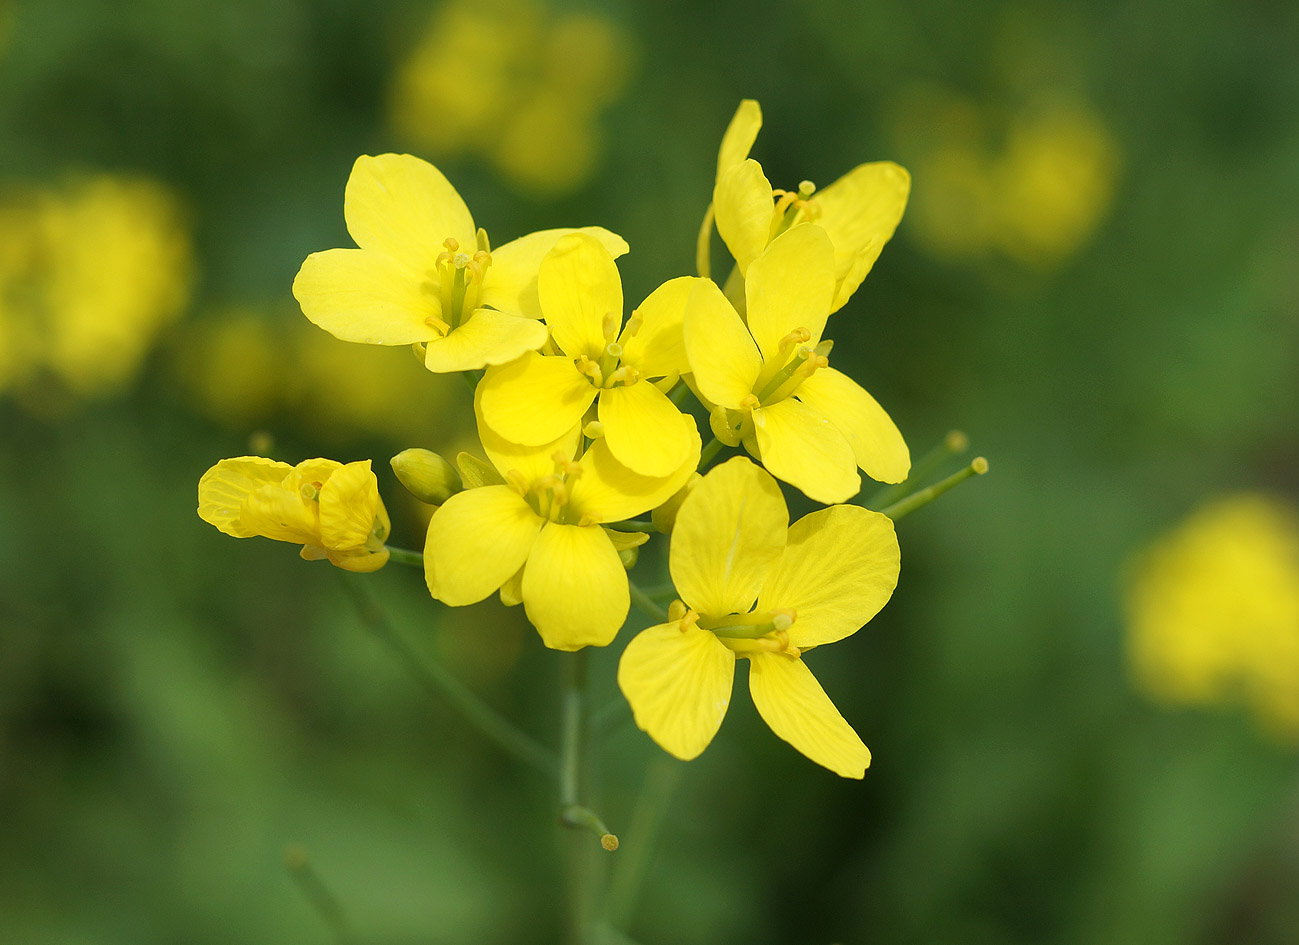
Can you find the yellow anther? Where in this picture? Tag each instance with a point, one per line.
(623, 375)
(630, 329)
(588, 367)
(444, 257)
(518, 482)
(609, 325)
(587, 518)
(812, 364)
(452, 244)
(750, 402)
(438, 325)
(799, 336)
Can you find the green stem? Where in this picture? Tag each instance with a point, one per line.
(646, 822)
(707, 454)
(978, 466)
(434, 678)
(318, 894)
(679, 393)
(954, 444)
(405, 556)
(632, 525)
(647, 604)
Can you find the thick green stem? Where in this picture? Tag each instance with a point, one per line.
(978, 466)
(434, 678)
(711, 450)
(405, 556)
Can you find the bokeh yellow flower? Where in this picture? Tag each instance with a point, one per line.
(333, 510)
(423, 274)
(1213, 610)
(753, 587)
(90, 272)
(539, 82)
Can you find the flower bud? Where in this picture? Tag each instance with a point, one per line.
(426, 475)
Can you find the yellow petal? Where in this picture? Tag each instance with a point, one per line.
(349, 500)
(532, 462)
(792, 702)
(366, 297)
(362, 562)
(224, 487)
(658, 348)
(476, 541)
(876, 441)
(721, 352)
(512, 590)
(860, 211)
(579, 286)
(790, 286)
(839, 567)
(534, 399)
(643, 429)
(740, 135)
(743, 210)
(511, 281)
(729, 533)
(574, 587)
(607, 491)
(804, 449)
(402, 207)
(283, 514)
(679, 686)
(487, 337)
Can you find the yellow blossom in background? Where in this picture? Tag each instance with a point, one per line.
(768, 380)
(753, 587)
(537, 398)
(424, 275)
(531, 528)
(333, 510)
(859, 212)
(1213, 610)
(539, 80)
(90, 272)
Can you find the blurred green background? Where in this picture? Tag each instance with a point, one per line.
(1097, 279)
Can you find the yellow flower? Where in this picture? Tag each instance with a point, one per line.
(537, 398)
(809, 424)
(1213, 610)
(753, 588)
(423, 275)
(333, 509)
(533, 531)
(859, 211)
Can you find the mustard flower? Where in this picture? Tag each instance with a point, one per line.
(423, 275)
(753, 587)
(532, 530)
(769, 381)
(332, 509)
(536, 398)
(859, 211)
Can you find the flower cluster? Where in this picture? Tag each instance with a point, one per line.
(592, 447)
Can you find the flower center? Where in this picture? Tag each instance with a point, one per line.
(793, 206)
(459, 283)
(761, 631)
(549, 495)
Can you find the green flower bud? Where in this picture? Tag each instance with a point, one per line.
(426, 475)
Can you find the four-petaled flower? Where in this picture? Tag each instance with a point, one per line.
(332, 509)
(423, 275)
(770, 382)
(753, 589)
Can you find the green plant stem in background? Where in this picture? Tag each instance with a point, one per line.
(954, 444)
(706, 455)
(317, 894)
(405, 556)
(978, 466)
(435, 679)
(652, 806)
(647, 604)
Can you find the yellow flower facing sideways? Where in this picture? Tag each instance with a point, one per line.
(536, 398)
(859, 211)
(332, 509)
(753, 587)
(769, 382)
(423, 274)
(532, 529)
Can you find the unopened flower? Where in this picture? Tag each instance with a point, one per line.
(333, 510)
(423, 274)
(752, 587)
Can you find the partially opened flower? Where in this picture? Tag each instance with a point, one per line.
(535, 534)
(752, 587)
(859, 211)
(333, 510)
(770, 382)
(534, 399)
(424, 275)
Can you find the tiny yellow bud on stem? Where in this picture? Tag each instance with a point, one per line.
(978, 467)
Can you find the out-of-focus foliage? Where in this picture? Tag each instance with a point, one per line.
(1120, 340)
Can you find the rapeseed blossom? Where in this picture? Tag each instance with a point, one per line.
(533, 531)
(536, 398)
(753, 587)
(1213, 610)
(859, 211)
(333, 510)
(769, 382)
(423, 274)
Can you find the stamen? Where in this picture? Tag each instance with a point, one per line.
(750, 402)
(452, 244)
(518, 482)
(588, 367)
(609, 325)
(676, 610)
(630, 329)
